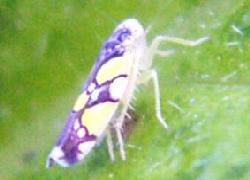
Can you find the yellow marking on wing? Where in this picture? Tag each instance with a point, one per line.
(114, 67)
(96, 119)
(81, 101)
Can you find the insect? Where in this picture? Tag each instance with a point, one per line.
(125, 61)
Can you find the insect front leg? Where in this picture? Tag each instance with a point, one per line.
(162, 38)
(154, 47)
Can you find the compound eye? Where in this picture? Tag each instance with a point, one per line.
(124, 35)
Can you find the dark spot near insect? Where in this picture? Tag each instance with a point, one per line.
(50, 162)
(29, 156)
(237, 171)
(246, 31)
(128, 126)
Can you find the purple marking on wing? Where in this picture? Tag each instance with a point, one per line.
(69, 140)
(69, 124)
(104, 94)
(70, 147)
(69, 131)
(113, 47)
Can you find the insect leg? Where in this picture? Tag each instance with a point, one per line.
(118, 129)
(152, 75)
(118, 123)
(161, 38)
(110, 144)
(155, 80)
(125, 105)
(154, 47)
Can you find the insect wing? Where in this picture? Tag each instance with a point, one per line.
(97, 104)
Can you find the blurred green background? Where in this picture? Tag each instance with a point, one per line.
(48, 47)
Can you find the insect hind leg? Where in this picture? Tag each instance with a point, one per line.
(118, 130)
(110, 144)
(117, 126)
